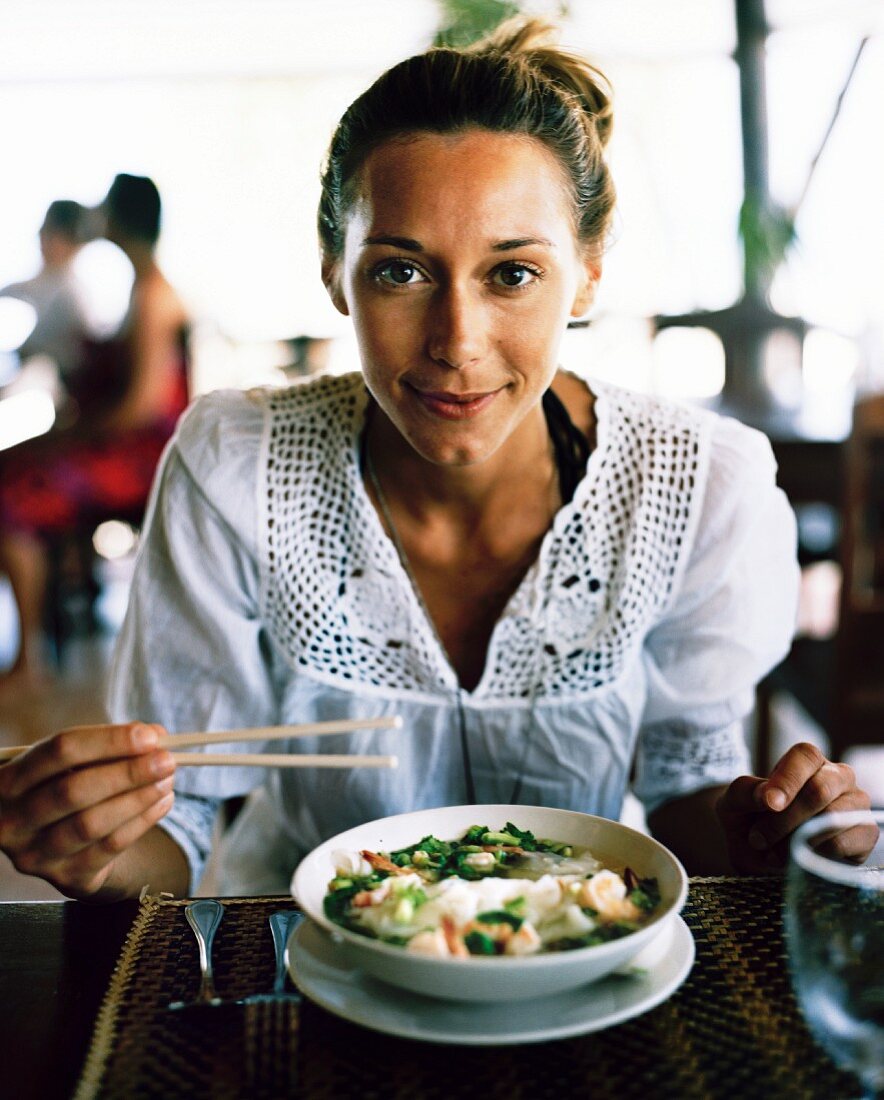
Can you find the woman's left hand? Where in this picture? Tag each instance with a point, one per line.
(759, 815)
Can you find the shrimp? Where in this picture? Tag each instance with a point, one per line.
(381, 863)
(499, 933)
(605, 892)
(365, 898)
(453, 938)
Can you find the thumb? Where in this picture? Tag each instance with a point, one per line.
(741, 797)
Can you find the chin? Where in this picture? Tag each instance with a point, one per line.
(451, 452)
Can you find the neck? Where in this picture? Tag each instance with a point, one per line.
(141, 256)
(522, 466)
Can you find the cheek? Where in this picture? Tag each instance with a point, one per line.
(384, 327)
(536, 334)
(372, 334)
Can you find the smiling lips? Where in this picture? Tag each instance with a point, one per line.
(455, 406)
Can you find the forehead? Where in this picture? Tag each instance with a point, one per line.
(505, 185)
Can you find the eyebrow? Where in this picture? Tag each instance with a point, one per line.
(408, 244)
(521, 242)
(405, 243)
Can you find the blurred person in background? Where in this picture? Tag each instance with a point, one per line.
(126, 396)
(59, 300)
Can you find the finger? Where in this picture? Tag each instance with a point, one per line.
(76, 791)
(96, 857)
(788, 776)
(74, 748)
(740, 798)
(826, 786)
(831, 789)
(851, 845)
(69, 836)
(83, 872)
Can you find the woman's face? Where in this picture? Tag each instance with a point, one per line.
(460, 270)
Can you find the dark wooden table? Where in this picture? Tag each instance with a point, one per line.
(56, 960)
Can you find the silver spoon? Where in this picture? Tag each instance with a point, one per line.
(203, 916)
(282, 924)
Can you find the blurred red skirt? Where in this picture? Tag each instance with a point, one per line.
(56, 482)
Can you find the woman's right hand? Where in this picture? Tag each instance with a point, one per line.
(73, 804)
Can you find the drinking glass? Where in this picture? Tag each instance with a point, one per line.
(834, 922)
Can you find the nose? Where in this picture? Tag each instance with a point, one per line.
(456, 328)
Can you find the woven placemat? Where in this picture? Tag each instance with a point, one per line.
(732, 1030)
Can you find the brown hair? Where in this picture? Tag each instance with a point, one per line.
(516, 81)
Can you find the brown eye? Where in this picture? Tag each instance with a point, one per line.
(399, 272)
(515, 275)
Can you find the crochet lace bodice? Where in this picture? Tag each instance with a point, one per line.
(342, 606)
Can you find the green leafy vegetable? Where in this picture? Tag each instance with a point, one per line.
(499, 838)
(336, 905)
(501, 916)
(523, 838)
(602, 933)
(479, 944)
(645, 896)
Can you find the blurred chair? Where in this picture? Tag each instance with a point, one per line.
(858, 701)
(839, 680)
(74, 583)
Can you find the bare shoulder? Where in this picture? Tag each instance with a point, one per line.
(579, 400)
(153, 294)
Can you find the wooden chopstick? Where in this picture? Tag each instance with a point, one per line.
(283, 760)
(176, 741)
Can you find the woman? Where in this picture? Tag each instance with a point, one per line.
(56, 293)
(127, 394)
(547, 581)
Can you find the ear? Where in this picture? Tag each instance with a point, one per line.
(583, 299)
(331, 278)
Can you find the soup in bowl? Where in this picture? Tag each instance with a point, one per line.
(492, 902)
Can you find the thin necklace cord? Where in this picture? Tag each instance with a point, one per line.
(571, 449)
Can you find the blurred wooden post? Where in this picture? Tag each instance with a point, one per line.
(749, 55)
(744, 383)
(745, 326)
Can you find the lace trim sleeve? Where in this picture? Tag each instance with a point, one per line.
(191, 823)
(678, 758)
(731, 621)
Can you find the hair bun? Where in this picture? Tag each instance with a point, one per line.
(535, 41)
(516, 81)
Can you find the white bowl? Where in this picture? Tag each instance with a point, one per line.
(502, 978)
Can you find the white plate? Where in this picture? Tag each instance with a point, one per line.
(316, 962)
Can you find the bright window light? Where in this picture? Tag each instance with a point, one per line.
(830, 362)
(25, 415)
(688, 363)
(17, 320)
(105, 276)
(615, 349)
(782, 367)
(114, 539)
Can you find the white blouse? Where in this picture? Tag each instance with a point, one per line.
(267, 592)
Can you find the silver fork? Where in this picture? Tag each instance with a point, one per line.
(203, 916)
(282, 924)
(272, 1063)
